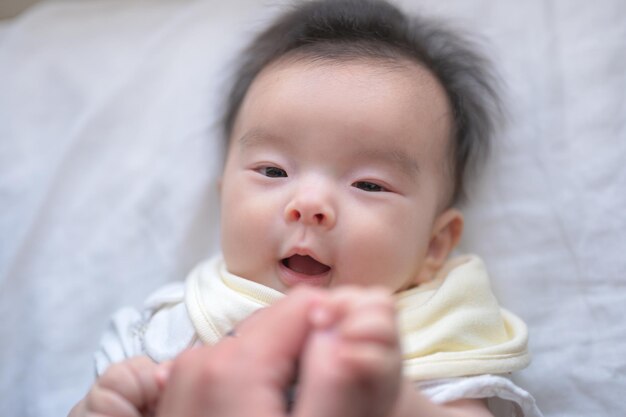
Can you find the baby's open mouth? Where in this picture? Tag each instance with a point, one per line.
(305, 265)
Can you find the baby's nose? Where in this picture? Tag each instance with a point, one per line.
(310, 208)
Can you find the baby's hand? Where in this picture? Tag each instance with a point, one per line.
(127, 389)
(352, 361)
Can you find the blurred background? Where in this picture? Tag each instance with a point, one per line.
(11, 8)
(110, 151)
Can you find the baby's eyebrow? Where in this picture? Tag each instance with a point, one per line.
(395, 157)
(256, 137)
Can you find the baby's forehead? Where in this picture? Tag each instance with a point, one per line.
(406, 80)
(369, 94)
(376, 67)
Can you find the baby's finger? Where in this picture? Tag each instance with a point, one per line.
(135, 380)
(350, 300)
(375, 324)
(106, 402)
(162, 374)
(371, 360)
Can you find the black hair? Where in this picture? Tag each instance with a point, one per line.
(358, 29)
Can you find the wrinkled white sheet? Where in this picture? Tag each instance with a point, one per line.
(109, 157)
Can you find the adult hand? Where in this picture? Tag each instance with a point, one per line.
(245, 375)
(345, 341)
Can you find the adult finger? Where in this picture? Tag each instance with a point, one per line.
(355, 363)
(278, 333)
(258, 363)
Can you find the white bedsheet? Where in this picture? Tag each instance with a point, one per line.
(109, 155)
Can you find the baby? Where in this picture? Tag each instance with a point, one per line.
(351, 129)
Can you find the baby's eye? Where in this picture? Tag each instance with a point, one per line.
(368, 186)
(273, 172)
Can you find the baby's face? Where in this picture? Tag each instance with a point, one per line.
(335, 175)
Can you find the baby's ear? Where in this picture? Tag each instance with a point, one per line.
(446, 233)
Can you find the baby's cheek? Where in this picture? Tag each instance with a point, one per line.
(400, 252)
(373, 252)
(239, 237)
